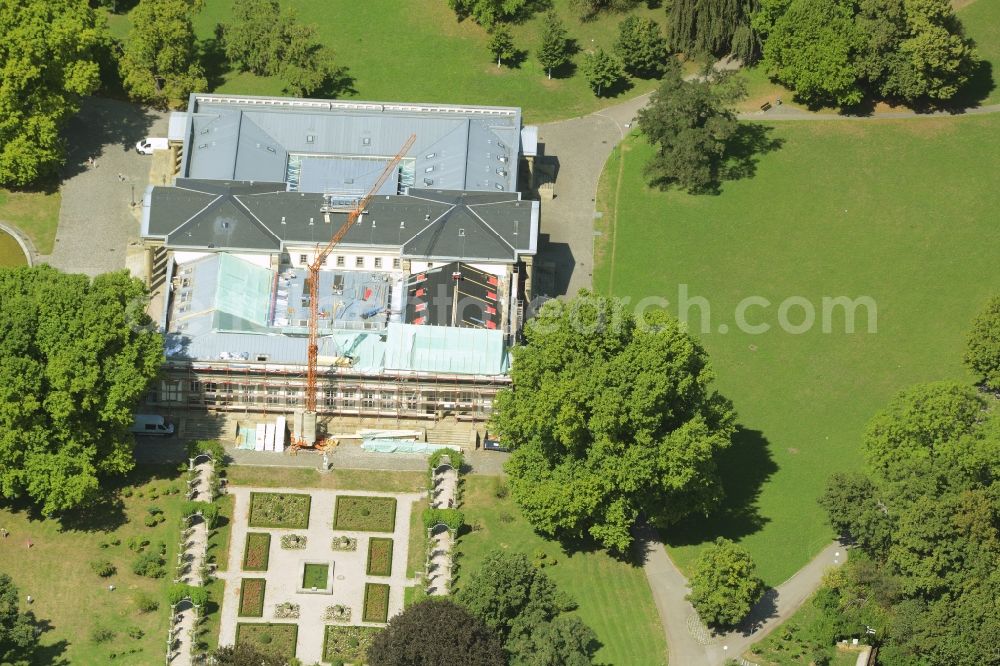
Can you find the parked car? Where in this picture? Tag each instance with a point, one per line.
(151, 143)
(494, 445)
(151, 424)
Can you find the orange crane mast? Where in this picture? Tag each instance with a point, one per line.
(314, 268)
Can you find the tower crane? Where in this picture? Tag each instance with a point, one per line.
(313, 350)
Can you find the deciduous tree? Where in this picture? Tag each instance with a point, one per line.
(48, 62)
(488, 13)
(642, 47)
(602, 70)
(249, 38)
(436, 633)
(609, 419)
(18, 630)
(716, 27)
(692, 125)
(553, 52)
(725, 584)
(75, 358)
(564, 641)
(502, 44)
(160, 60)
(854, 508)
(589, 9)
(982, 349)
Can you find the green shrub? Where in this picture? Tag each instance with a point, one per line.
(453, 518)
(502, 490)
(456, 458)
(103, 568)
(154, 510)
(149, 564)
(127, 492)
(101, 635)
(152, 521)
(211, 447)
(135, 633)
(154, 493)
(136, 544)
(146, 603)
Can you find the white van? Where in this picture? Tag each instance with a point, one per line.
(151, 424)
(151, 143)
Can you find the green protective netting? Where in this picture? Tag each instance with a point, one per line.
(244, 293)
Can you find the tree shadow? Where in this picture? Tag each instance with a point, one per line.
(106, 512)
(975, 91)
(518, 58)
(743, 470)
(339, 83)
(51, 655)
(744, 149)
(620, 86)
(213, 59)
(101, 123)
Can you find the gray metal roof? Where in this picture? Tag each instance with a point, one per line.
(251, 138)
(426, 224)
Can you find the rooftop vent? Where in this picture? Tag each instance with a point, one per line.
(282, 219)
(310, 138)
(429, 169)
(271, 149)
(428, 181)
(203, 145)
(427, 217)
(366, 141)
(225, 225)
(498, 186)
(310, 220)
(430, 156)
(461, 233)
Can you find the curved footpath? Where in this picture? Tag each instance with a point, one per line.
(580, 147)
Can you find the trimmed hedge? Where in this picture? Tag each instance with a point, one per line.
(456, 458)
(279, 510)
(257, 551)
(252, 597)
(277, 638)
(453, 518)
(379, 556)
(376, 607)
(365, 513)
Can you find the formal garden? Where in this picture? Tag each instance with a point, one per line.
(318, 560)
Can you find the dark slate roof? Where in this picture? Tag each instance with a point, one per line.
(430, 295)
(431, 224)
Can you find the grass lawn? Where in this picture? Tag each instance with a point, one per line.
(315, 575)
(379, 557)
(11, 253)
(34, 213)
(218, 552)
(280, 510)
(339, 479)
(376, 605)
(613, 596)
(252, 597)
(416, 554)
(901, 211)
(348, 644)
(365, 514)
(70, 597)
(421, 53)
(275, 638)
(981, 19)
(257, 551)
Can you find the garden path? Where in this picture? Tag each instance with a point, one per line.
(185, 623)
(439, 574)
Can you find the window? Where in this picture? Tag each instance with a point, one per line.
(430, 264)
(395, 263)
(303, 259)
(195, 386)
(388, 400)
(368, 399)
(378, 262)
(340, 262)
(359, 262)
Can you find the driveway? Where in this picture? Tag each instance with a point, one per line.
(576, 150)
(95, 221)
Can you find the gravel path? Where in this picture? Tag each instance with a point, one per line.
(439, 575)
(195, 547)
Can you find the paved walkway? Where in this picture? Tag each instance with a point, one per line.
(95, 221)
(689, 641)
(195, 538)
(439, 571)
(790, 113)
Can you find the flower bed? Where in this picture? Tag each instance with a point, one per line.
(379, 557)
(376, 607)
(257, 551)
(293, 541)
(252, 597)
(337, 613)
(315, 576)
(344, 543)
(286, 611)
(274, 638)
(281, 510)
(348, 644)
(365, 514)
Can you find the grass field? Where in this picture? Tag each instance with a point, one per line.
(613, 597)
(417, 51)
(901, 211)
(34, 213)
(981, 19)
(70, 597)
(11, 253)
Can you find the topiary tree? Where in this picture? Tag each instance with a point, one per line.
(436, 633)
(982, 350)
(725, 585)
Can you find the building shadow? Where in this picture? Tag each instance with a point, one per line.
(553, 268)
(743, 469)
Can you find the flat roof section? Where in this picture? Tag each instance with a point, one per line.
(456, 294)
